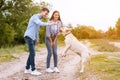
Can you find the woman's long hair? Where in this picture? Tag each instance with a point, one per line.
(52, 17)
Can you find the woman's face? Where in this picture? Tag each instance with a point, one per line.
(56, 16)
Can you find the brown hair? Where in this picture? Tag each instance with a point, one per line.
(45, 9)
(52, 17)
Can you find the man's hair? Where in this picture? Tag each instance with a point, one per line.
(45, 9)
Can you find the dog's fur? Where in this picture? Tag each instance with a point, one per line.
(76, 46)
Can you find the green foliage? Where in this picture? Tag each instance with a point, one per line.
(14, 17)
(60, 37)
(6, 35)
(15, 14)
(42, 34)
(86, 32)
(118, 27)
(111, 33)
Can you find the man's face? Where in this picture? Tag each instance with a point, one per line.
(44, 14)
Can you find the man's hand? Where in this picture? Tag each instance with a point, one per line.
(51, 24)
(36, 42)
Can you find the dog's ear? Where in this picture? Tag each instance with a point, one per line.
(69, 29)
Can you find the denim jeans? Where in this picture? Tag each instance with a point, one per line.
(51, 50)
(31, 57)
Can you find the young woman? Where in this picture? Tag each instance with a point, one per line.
(52, 33)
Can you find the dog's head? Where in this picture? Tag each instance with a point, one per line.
(65, 30)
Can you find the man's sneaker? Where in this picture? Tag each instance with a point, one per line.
(56, 70)
(27, 71)
(35, 72)
(49, 70)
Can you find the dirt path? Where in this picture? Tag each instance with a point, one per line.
(14, 70)
(68, 66)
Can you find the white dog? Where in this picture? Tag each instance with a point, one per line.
(76, 46)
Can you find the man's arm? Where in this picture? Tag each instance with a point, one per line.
(41, 23)
(37, 39)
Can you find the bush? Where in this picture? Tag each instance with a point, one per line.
(6, 36)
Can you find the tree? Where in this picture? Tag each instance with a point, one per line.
(111, 33)
(118, 27)
(14, 16)
(86, 32)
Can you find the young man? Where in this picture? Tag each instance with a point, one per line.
(31, 38)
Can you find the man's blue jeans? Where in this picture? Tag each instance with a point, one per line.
(51, 50)
(31, 57)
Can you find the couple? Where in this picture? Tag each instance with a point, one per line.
(31, 38)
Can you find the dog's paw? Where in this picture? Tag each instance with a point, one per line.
(63, 55)
(81, 71)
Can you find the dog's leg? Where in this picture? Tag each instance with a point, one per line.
(83, 61)
(65, 50)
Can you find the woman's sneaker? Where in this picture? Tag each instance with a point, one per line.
(35, 72)
(27, 71)
(56, 70)
(49, 70)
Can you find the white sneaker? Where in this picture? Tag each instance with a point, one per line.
(49, 70)
(56, 70)
(27, 71)
(35, 72)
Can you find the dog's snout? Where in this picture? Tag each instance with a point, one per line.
(60, 30)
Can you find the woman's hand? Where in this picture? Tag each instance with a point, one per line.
(53, 44)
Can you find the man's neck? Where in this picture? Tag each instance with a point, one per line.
(40, 15)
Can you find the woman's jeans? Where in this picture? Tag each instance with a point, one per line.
(51, 50)
(31, 58)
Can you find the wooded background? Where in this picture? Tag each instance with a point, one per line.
(15, 14)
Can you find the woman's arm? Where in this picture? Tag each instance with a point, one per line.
(55, 38)
(50, 39)
(48, 34)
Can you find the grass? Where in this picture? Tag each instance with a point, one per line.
(6, 54)
(103, 67)
(115, 40)
(103, 45)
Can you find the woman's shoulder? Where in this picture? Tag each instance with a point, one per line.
(59, 22)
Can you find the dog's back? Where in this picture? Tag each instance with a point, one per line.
(76, 45)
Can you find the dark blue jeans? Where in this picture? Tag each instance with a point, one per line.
(31, 57)
(51, 50)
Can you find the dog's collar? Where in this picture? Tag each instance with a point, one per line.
(67, 34)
